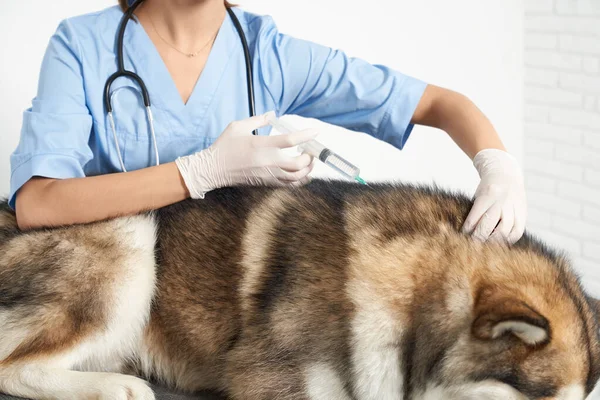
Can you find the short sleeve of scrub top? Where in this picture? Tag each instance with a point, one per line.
(56, 128)
(65, 133)
(319, 82)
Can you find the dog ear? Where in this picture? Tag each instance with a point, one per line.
(497, 317)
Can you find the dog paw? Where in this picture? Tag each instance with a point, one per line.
(123, 387)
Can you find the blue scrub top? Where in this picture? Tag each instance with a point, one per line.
(66, 133)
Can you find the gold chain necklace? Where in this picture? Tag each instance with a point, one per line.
(189, 55)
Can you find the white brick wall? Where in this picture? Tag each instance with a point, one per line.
(562, 128)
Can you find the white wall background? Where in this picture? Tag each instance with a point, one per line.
(469, 46)
(562, 128)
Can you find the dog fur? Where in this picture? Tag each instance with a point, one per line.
(331, 291)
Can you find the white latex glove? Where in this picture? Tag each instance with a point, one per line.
(500, 206)
(239, 157)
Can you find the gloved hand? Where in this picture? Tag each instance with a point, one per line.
(500, 206)
(238, 157)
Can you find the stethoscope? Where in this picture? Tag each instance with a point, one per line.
(122, 72)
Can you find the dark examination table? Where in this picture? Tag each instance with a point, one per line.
(161, 394)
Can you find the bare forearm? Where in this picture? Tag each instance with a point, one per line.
(49, 202)
(459, 117)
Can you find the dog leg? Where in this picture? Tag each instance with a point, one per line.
(262, 381)
(75, 310)
(45, 382)
(257, 371)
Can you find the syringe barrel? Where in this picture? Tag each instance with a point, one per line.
(341, 165)
(319, 151)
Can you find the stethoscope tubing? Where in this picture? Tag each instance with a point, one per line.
(123, 73)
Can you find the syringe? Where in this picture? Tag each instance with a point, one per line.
(320, 152)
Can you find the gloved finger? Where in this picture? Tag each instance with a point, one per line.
(292, 163)
(253, 178)
(518, 229)
(246, 126)
(311, 165)
(480, 206)
(487, 223)
(286, 176)
(272, 181)
(516, 234)
(502, 231)
(301, 182)
(288, 140)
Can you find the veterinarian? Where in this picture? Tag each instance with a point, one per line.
(69, 166)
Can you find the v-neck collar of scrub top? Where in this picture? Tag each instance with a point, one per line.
(160, 84)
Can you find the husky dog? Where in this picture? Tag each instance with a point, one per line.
(330, 291)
